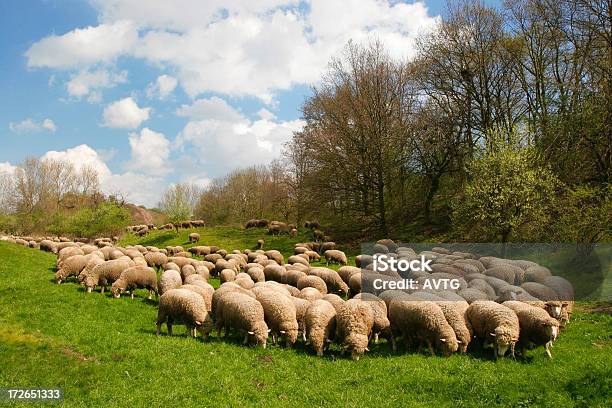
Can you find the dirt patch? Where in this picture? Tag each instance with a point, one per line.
(605, 308)
(69, 352)
(265, 359)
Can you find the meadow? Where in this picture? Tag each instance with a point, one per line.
(104, 351)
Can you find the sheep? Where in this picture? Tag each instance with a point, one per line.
(346, 272)
(540, 291)
(492, 322)
(310, 294)
(471, 295)
(72, 267)
(312, 225)
(279, 314)
(181, 261)
(212, 257)
(169, 279)
(260, 243)
(355, 283)
(361, 261)
(199, 250)
(274, 272)
(301, 305)
(256, 274)
(312, 281)
(318, 235)
(292, 277)
(293, 259)
(133, 278)
(393, 294)
(106, 273)
(537, 274)
(484, 287)
(194, 237)
(320, 321)
(48, 246)
(184, 307)
(292, 290)
(251, 224)
(244, 313)
(336, 301)
(171, 266)
(66, 253)
(244, 280)
(155, 259)
(222, 264)
(193, 278)
(354, 324)
(565, 293)
(205, 291)
(382, 326)
(423, 321)
(507, 272)
(537, 327)
(224, 288)
(187, 270)
(334, 283)
(335, 256)
(92, 263)
(313, 255)
(227, 275)
(202, 270)
(454, 312)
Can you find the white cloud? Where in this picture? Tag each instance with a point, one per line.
(164, 85)
(211, 108)
(83, 46)
(237, 48)
(29, 126)
(124, 114)
(135, 187)
(49, 125)
(231, 140)
(150, 151)
(87, 82)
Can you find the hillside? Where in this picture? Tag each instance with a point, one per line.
(102, 350)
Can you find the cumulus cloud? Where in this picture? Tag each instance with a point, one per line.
(150, 151)
(136, 187)
(211, 108)
(163, 86)
(29, 126)
(83, 46)
(87, 82)
(231, 140)
(7, 168)
(124, 114)
(237, 48)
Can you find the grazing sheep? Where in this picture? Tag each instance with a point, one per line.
(320, 321)
(484, 287)
(205, 291)
(155, 259)
(335, 256)
(507, 272)
(327, 246)
(540, 291)
(136, 277)
(318, 235)
(537, 327)
(494, 323)
(251, 223)
(72, 266)
(393, 294)
(106, 273)
(244, 280)
(169, 279)
(346, 272)
(382, 326)
(336, 301)
(222, 264)
(279, 314)
(260, 243)
(256, 274)
(310, 294)
(67, 253)
(471, 295)
(361, 261)
(301, 305)
(243, 313)
(292, 277)
(423, 321)
(187, 270)
(186, 307)
(354, 324)
(355, 283)
(93, 262)
(537, 274)
(293, 259)
(224, 288)
(202, 270)
(194, 237)
(334, 282)
(312, 281)
(227, 275)
(274, 272)
(454, 312)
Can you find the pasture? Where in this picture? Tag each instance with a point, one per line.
(104, 351)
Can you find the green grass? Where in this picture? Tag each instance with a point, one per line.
(104, 351)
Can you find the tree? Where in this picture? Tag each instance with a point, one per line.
(507, 190)
(178, 202)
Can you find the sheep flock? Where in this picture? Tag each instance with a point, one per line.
(506, 305)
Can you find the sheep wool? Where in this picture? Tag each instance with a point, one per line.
(183, 306)
(244, 314)
(136, 277)
(494, 323)
(354, 324)
(320, 321)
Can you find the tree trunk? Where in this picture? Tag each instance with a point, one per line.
(433, 189)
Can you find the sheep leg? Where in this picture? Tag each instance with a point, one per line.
(131, 294)
(158, 328)
(226, 330)
(102, 289)
(273, 338)
(430, 348)
(393, 344)
(150, 294)
(375, 338)
(246, 338)
(169, 325)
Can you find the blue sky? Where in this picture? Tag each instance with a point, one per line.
(151, 92)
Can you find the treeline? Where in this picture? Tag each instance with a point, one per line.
(499, 129)
(54, 197)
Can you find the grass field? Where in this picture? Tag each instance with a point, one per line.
(104, 351)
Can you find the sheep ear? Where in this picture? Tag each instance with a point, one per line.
(282, 332)
(198, 323)
(251, 333)
(492, 334)
(269, 330)
(443, 340)
(459, 342)
(367, 349)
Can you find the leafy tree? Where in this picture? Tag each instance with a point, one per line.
(507, 191)
(178, 202)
